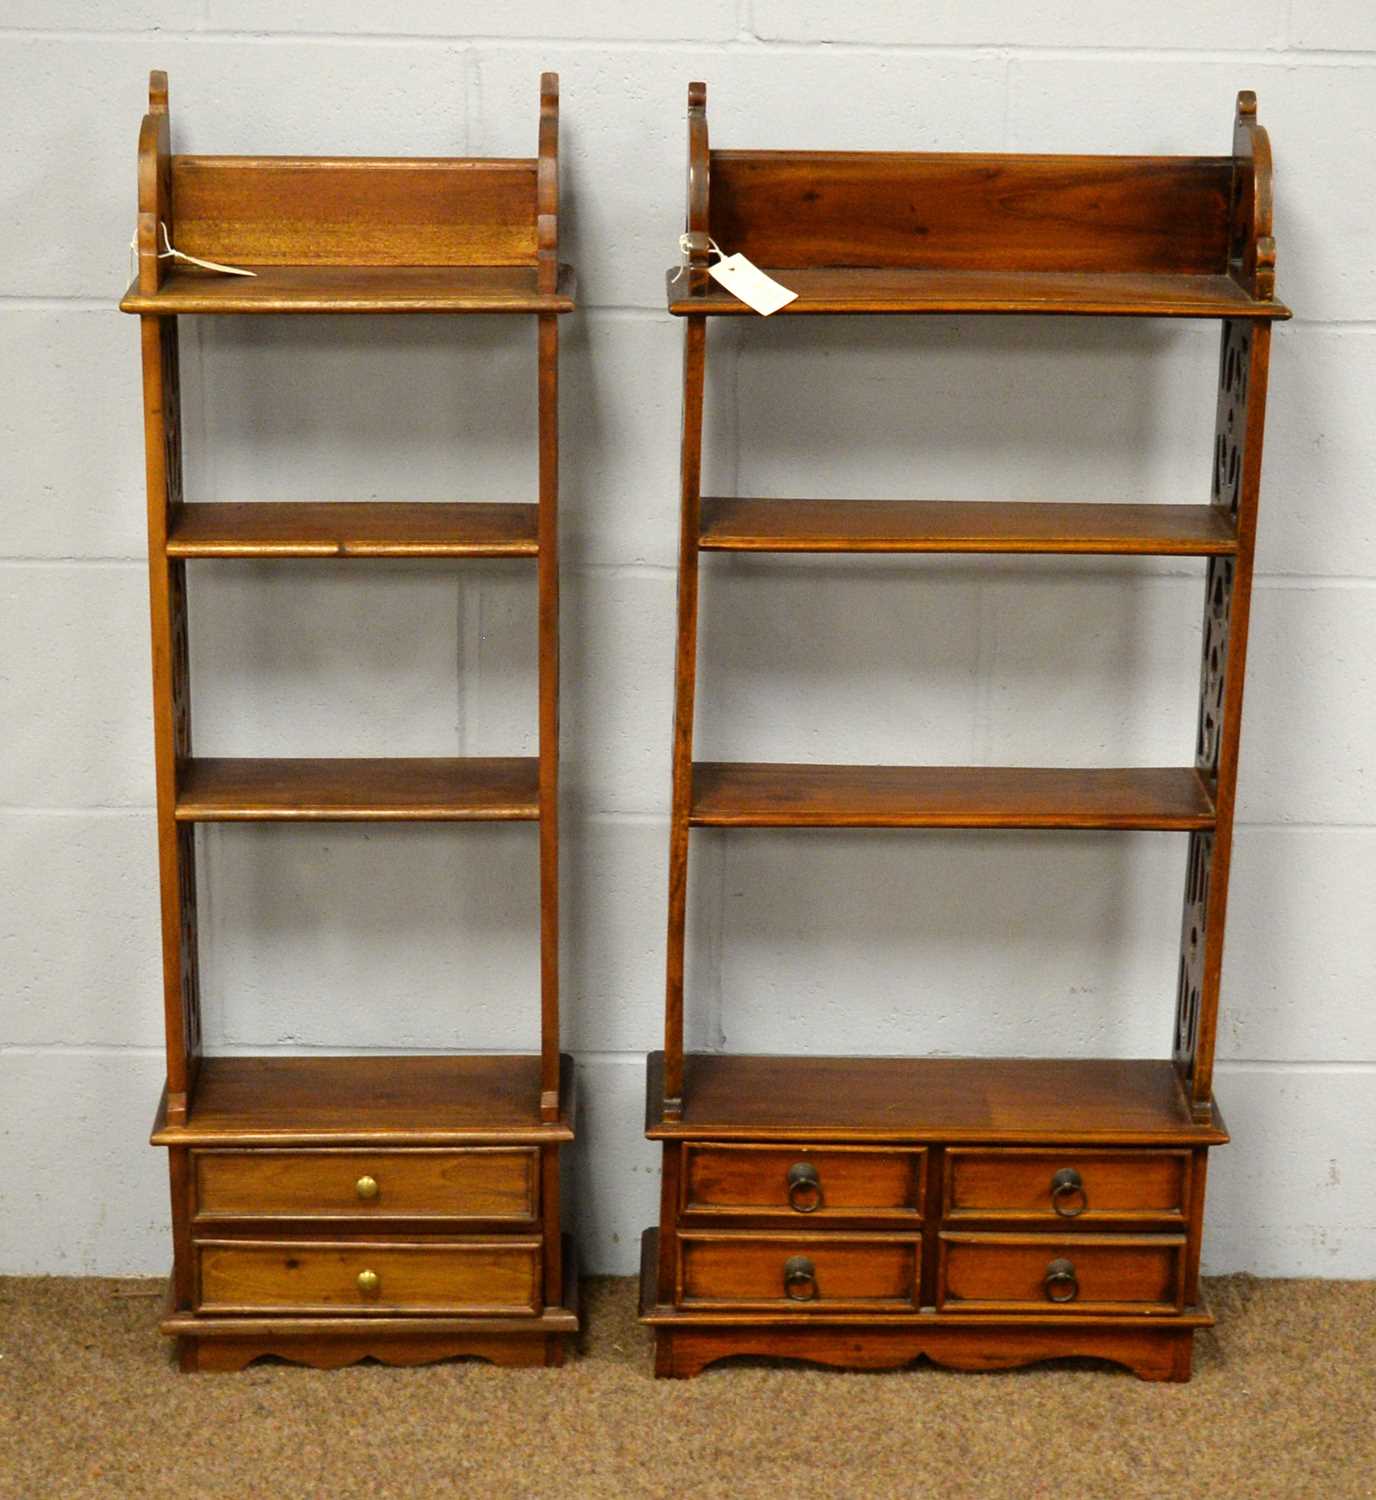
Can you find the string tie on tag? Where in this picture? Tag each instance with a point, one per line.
(170, 252)
(685, 248)
(740, 276)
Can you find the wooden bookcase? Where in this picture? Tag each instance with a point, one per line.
(328, 1209)
(982, 1213)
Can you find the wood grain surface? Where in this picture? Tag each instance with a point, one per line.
(368, 1100)
(956, 1099)
(473, 1183)
(473, 789)
(730, 524)
(357, 289)
(499, 1276)
(765, 795)
(353, 528)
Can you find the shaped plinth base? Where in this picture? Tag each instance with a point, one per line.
(328, 1352)
(1151, 1354)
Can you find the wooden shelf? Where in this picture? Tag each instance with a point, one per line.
(762, 795)
(916, 1098)
(336, 1100)
(752, 525)
(356, 289)
(353, 529)
(498, 789)
(866, 289)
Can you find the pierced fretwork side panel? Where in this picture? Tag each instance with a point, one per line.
(172, 708)
(1241, 367)
(172, 411)
(1190, 985)
(176, 571)
(180, 706)
(1230, 429)
(190, 957)
(181, 660)
(186, 834)
(1218, 606)
(1231, 425)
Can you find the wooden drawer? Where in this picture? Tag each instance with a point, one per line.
(471, 1276)
(492, 1184)
(795, 1182)
(1048, 1273)
(1068, 1188)
(822, 1272)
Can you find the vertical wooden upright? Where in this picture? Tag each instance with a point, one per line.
(1243, 365)
(547, 281)
(686, 645)
(979, 1212)
(167, 599)
(334, 1209)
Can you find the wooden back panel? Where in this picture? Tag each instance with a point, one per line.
(381, 211)
(943, 211)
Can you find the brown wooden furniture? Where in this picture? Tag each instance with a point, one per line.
(328, 1209)
(983, 1213)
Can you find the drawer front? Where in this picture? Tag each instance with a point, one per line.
(795, 1182)
(1046, 1273)
(492, 1276)
(491, 1184)
(825, 1272)
(1068, 1188)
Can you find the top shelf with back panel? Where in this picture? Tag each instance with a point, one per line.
(910, 232)
(330, 234)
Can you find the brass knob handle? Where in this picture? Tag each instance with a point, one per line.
(1060, 1283)
(804, 1188)
(366, 1187)
(369, 1282)
(800, 1278)
(1068, 1196)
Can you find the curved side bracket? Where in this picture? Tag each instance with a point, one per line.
(155, 181)
(699, 174)
(1252, 251)
(547, 187)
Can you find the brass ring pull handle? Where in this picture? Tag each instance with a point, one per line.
(1068, 1196)
(366, 1187)
(1060, 1283)
(369, 1283)
(800, 1278)
(804, 1188)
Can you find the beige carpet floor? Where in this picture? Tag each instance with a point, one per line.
(1283, 1404)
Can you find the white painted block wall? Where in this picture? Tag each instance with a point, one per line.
(422, 937)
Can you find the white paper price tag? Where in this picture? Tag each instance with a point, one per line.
(745, 279)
